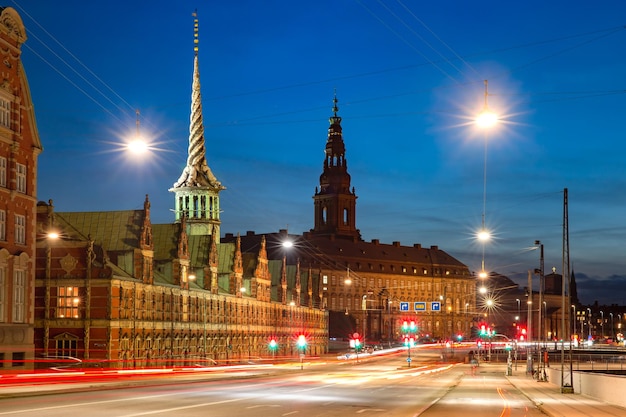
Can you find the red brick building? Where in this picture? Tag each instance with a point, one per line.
(19, 150)
(115, 290)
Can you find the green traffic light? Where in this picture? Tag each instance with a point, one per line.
(301, 341)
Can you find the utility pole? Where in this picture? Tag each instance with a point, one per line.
(540, 362)
(567, 376)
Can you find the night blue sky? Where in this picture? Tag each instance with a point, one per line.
(408, 78)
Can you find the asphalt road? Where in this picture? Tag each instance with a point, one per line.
(383, 386)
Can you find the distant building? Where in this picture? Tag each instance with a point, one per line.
(371, 288)
(19, 150)
(516, 313)
(115, 290)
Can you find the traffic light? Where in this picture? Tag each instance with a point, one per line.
(273, 344)
(483, 330)
(301, 341)
(357, 344)
(405, 326)
(412, 326)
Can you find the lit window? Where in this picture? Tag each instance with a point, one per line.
(20, 229)
(67, 302)
(21, 178)
(19, 296)
(3, 172)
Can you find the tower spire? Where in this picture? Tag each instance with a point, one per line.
(335, 202)
(195, 32)
(197, 189)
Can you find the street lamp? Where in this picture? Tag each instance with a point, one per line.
(485, 120)
(612, 332)
(602, 323)
(589, 322)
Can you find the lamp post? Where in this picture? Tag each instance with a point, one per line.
(485, 120)
(574, 318)
(466, 322)
(519, 313)
(612, 328)
(489, 303)
(602, 323)
(545, 319)
(589, 323)
(540, 334)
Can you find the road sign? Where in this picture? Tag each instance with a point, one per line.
(419, 306)
(408, 359)
(404, 306)
(435, 306)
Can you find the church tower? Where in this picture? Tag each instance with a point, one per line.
(335, 203)
(197, 190)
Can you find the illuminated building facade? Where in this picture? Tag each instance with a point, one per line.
(370, 288)
(115, 290)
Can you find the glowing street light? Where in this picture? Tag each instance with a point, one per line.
(137, 145)
(485, 120)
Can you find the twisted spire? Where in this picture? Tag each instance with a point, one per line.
(197, 172)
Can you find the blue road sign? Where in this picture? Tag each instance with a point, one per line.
(404, 306)
(435, 306)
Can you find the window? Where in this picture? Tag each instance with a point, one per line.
(67, 302)
(3, 293)
(66, 346)
(3, 172)
(19, 296)
(20, 177)
(20, 229)
(5, 112)
(3, 225)
(19, 357)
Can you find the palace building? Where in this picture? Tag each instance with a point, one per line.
(19, 150)
(371, 288)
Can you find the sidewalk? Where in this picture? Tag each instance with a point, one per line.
(548, 398)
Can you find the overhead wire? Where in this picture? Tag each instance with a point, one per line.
(604, 33)
(71, 67)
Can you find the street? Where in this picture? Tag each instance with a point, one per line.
(383, 386)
